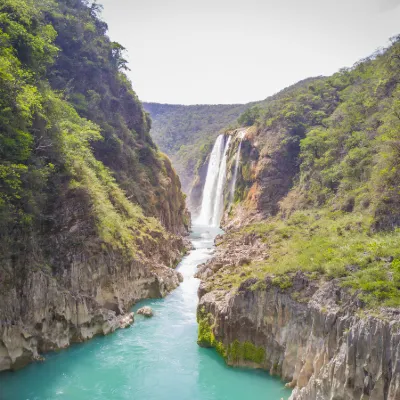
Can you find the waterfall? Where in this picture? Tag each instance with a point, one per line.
(237, 160)
(213, 193)
(207, 204)
(219, 197)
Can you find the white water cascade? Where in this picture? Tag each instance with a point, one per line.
(219, 196)
(237, 160)
(213, 192)
(207, 204)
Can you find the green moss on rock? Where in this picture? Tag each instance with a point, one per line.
(206, 337)
(235, 352)
(204, 333)
(245, 351)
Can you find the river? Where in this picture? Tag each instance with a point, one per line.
(155, 359)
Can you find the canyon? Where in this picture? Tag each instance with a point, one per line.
(305, 280)
(301, 288)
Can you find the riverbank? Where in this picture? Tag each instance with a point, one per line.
(311, 331)
(156, 359)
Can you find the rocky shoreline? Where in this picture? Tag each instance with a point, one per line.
(43, 312)
(314, 334)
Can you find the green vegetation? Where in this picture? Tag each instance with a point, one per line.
(74, 137)
(89, 71)
(250, 116)
(245, 351)
(236, 352)
(177, 125)
(326, 245)
(206, 336)
(333, 143)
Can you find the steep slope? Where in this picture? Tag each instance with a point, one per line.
(306, 282)
(187, 133)
(90, 210)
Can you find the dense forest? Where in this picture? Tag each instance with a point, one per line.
(85, 194)
(69, 118)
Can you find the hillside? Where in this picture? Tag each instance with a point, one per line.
(187, 133)
(306, 281)
(90, 210)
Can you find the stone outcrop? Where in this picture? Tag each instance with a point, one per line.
(316, 335)
(146, 311)
(72, 286)
(43, 312)
(320, 346)
(313, 336)
(125, 321)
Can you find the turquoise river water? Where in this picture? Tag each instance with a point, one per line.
(155, 359)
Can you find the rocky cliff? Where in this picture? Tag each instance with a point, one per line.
(93, 288)
(323, 346)
(305, 282)
(91, 212)
(319, 337)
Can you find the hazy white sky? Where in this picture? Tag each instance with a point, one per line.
(236, 51)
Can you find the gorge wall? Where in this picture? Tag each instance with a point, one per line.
(315, 335)
(305, 282)
(91, 213)
(321, 347)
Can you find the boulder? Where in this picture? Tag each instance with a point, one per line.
(146, 311)
(126, 320)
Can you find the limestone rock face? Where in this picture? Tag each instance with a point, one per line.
(319, 344)
(196, 190)
(88, 294)
(126, 320)
(44, 316)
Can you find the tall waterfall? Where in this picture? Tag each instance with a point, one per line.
(213, 192)
(207, 204)
(219, 196)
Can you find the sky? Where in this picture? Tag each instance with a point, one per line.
(231, 51)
